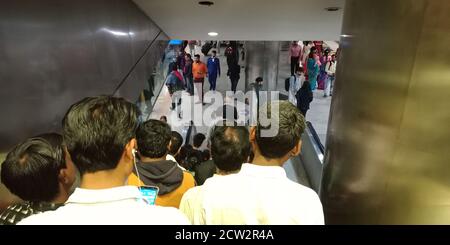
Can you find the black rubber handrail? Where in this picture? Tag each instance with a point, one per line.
(315, 136)
(135, 64)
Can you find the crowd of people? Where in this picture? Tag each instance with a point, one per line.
(188, 72)
(94, 172)
(312, 67)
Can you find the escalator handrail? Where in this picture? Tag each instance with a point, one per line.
(136, 63)
(316, 137)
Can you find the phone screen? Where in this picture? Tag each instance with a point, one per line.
(149, 193)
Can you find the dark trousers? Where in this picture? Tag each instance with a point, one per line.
(212, 82)
(189, 84)
(234, 83)
(294, 65)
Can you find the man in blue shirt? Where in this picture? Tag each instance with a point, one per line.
(213, 66)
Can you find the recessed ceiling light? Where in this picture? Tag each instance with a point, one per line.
(332, 9)
(213, 34)
(206, 3)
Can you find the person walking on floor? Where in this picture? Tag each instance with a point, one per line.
(304, 98)
(295, 52)
(213, 65)
(188, 76)
(331, 71)
(234, 75)
(199, 72)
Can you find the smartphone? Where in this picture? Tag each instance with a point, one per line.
(149, 193)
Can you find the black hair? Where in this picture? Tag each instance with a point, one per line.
(206, 155)
(214, 51)
(31, 169)
(198, 139)
(300, 69)
(96, 131)
(230, 147)
(193, 158)
(163, 117)
(176, 140)
(259, 79)
(291, 126)
(188, 55)
(181, 156)
(311, 52)
(197, 56)
(153, 138)
(174, 67)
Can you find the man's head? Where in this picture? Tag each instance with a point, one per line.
(259, 80)
(99, 133)
(153, 138)
(333, 57)
(163, 119)
(176, 141)
(198, 140)
(213, 53)
(197, 58)
(36, 170)
(187, 56)
(230, 147)
(287, 142)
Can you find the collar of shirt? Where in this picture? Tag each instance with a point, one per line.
(249, 169)
(104, 195)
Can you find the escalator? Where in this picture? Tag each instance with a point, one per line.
(306, 169)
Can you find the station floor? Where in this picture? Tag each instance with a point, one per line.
(317, 115)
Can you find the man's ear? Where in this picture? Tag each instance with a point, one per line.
(168, 146)
(129, 148)
(253, 134)
(297, 149)
(64, 177)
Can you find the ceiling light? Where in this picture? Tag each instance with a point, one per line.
(332, 9)
(213, 34)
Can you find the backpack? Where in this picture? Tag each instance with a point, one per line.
(287, 82)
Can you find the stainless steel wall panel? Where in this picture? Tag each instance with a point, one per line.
(53, 53)
(387, 159)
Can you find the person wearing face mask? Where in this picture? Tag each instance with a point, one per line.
(213, 65)
(295, 84)
(41, 173)
(199, 72)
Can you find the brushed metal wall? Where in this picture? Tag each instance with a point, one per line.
(388, 148)
(53, 53)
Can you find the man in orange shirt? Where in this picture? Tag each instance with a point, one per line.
(199, 71)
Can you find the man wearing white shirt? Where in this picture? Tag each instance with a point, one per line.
(260, 193)
(99, 134)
